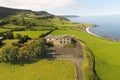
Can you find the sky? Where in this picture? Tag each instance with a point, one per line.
(67, 7)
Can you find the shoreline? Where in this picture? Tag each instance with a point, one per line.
(88, 31)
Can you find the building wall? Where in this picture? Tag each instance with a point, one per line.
(60, 41)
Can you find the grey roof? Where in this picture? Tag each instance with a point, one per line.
(58, 37)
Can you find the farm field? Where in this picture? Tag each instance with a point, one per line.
(33, 24)
(106, 53)
(4, 30)
(11, 26)
(57, 70)
(8, 42)
(32, 34)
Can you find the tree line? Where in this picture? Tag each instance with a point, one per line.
(29, 52)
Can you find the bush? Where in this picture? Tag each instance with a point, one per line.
(9, 35)
(9, 54)
(17, 44)
(18, 35)
(32, 51)
(24, 39)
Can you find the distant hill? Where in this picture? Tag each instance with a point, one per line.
(42, 13)
(9, 11)
(69, 16)
(4, 12)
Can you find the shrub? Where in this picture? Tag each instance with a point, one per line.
(18, 35)
(9, 35)
(33, 50)
(30, 52)
(24, 39)
(9, 54)
(17, 44)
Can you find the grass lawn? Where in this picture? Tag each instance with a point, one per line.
(32, 34)
(106, 53)
(41, 70)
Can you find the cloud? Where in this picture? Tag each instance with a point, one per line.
(36, 4)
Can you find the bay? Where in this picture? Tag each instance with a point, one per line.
(107, 26)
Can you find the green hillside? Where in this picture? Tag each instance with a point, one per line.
(106, 54)
(34, 24)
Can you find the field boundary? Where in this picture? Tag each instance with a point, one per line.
(88, 63)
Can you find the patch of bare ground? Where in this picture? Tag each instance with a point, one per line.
(73, 54)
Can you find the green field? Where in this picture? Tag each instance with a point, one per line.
(8, 42)
(106, 53)
(32, 34)
(89, 25)
(41, 70)
(4, 30)
(11, 26)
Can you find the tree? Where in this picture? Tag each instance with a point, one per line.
(42, 45)
(23, 54)
(42, 35)
(24, 39)
(33, 50)
(9, 35)
(9, 54)
(18, 35)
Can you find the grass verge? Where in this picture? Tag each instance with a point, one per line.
(88, 64)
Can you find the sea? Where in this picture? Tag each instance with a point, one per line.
(106, 26)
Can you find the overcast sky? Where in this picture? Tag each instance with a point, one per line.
(68, 7)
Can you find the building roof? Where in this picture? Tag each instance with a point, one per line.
(57, 37)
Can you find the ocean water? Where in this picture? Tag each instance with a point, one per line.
(107, 26)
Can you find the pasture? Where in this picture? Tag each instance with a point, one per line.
(3, 30)
(41, 70)
(31, 34)
(11, 26)
(8, 42)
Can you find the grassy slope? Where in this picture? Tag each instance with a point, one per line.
(106, 53)
(42, 70)
(32, 34)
